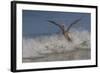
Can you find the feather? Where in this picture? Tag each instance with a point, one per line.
(73, 23)
(60, 26)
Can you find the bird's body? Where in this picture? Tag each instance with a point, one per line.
(66, 35)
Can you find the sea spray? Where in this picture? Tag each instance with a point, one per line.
(56, 43)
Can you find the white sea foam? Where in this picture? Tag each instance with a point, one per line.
(34, 47)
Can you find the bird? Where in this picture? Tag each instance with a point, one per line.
(65, 32)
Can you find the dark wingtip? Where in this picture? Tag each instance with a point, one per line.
(51, 21)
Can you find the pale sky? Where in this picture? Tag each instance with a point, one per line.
(35, 22)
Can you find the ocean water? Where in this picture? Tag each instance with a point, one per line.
(54, 47)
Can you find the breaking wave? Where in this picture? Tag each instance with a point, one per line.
(56, 43)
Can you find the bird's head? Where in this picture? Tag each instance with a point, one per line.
(63, 25)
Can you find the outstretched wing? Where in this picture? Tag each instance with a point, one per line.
(60, 26)
(73, 23)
